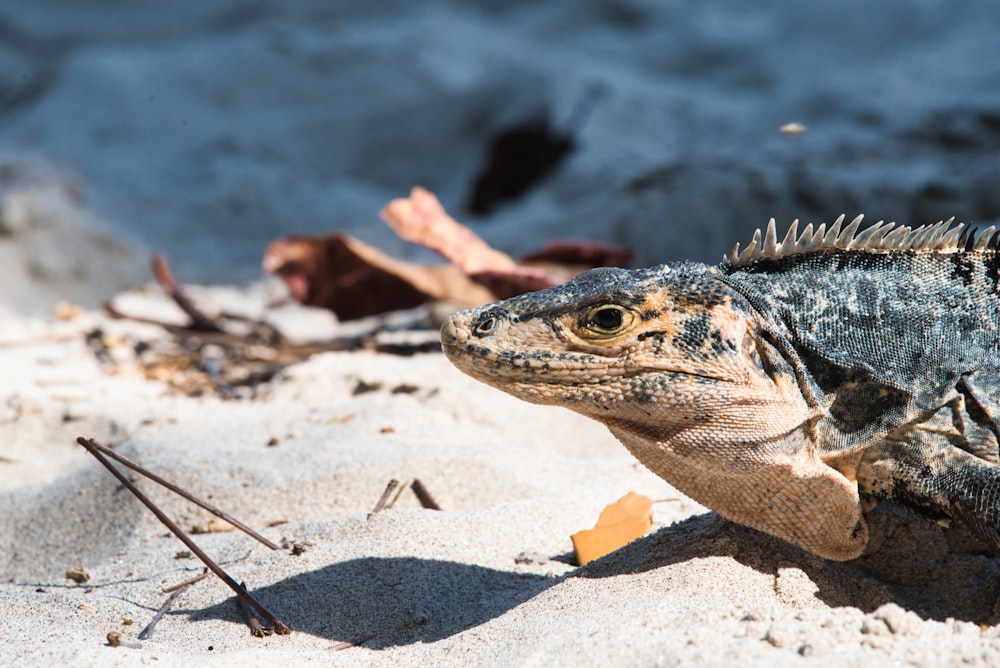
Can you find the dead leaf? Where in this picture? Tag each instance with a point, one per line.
(619, 524)
(421, 219)
(355, 280)
(215, 525)
(579, 256)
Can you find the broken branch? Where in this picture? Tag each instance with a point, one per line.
(147, 633)
(426, 500)
(189, 581)
(384, 499)
(199, 321)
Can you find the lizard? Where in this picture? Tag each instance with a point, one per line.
(790, 387)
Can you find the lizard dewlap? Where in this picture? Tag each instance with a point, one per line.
(784, 384)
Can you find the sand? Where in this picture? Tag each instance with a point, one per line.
(412, 586)
(204, 131)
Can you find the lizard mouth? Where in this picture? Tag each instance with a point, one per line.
(529, 366)
(477, 345)
(496, 359)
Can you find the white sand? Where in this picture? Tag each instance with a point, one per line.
(206, 130)
(418, 587)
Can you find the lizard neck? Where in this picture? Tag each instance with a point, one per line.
(777, 485)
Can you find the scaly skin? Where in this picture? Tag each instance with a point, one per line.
(771, 388)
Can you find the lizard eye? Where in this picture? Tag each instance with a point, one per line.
(606, 320)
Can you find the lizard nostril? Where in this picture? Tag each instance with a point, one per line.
(486, 325)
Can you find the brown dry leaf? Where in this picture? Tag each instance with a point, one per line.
(504, 284)
(577, 256)
(355, 280)
(215, 525)
(619, 524)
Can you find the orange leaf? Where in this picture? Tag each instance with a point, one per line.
(619, 524)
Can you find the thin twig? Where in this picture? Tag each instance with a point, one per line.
(189, 581)
(348, 644)
(426, 500)
(285, 351)
(393, 484)
(96, 450)
(199, 321)
(147, 633)
(139, 468)
(257, 630)
(115, 313)
(399, 493)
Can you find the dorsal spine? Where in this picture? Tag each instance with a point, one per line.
(941, 236)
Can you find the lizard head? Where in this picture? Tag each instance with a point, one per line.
(689, 376)
(618, 345)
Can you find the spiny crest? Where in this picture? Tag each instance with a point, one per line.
(881, 236)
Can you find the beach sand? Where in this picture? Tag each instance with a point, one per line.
(204, 131)
(412, 586)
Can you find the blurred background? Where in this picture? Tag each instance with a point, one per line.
(206, 130)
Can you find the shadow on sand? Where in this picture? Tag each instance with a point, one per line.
(386, 602)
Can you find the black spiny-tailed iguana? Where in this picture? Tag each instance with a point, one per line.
(775, 387)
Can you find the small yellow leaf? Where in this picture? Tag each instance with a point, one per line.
(216, 525)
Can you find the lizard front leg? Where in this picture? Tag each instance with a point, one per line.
(930, 469)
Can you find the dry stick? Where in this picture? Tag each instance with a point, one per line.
(294, 351)
(399, 493)
(347, 644)
(115, 313)
(139, 468)
(199, 321)
(385, 496)
(426, 500)
(95, 449)
(190, 581)
(147, 633)
(257, 630)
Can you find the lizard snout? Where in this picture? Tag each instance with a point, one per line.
(465, 326)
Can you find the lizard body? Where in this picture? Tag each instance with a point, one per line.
(783, 385)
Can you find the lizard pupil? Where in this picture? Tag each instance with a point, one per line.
(608, 318)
